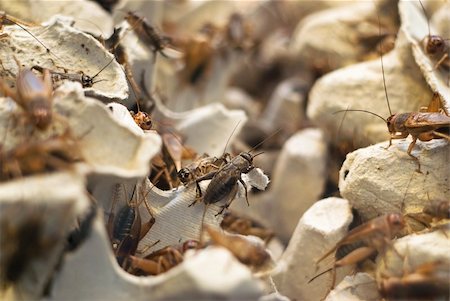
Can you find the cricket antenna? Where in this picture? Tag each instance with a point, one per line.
(104, 68)
(267, 138)
(132, 87)
(145, 197)
(231, 135)
(382, 66)
(428, 21)
(114, 57)
(34, 37)
(364, 111)
(260, 153)
(341, 123)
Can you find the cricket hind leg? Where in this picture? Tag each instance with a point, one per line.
(410, 148)
(231, 198)
(442, 135)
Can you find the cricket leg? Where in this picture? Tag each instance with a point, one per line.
(208, 176)
(353, 257)
(230, 200)
(441, 60)
(410, 148)
(439, 134)
(246, 192)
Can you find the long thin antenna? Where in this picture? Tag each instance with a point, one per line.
(104, 67)
(341, 123)
(382, 66)
(34, 37)
(267, 138)
(426, 17)
(260, 153)
(365, 111)
(231, 135)
(114, 47)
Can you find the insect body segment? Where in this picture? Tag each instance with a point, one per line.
(148, 34)
(200, 167)
(126, 230)
(436, 47)
(374, 234)
(224, 182)
(33, 95)
(163, 259)
(86, 81)
(425, 126)
(234, 223)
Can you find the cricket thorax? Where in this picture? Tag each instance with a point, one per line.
(244, 162)
(396, 122)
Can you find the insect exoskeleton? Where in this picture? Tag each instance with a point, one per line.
(374, 236)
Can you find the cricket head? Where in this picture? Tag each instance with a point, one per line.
(396, 122)
(396, 222)
(86, 81)
(143, 120)
(434, 44)
(184, 175)
(390, 123)
(245, 162)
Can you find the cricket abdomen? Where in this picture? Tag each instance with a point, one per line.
(124, 223)
(218, 190)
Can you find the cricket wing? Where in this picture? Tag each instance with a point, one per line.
(427, 120)
(222, 187)
(356, 234)
(29, 86)
(435, 104)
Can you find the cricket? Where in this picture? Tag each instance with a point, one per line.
(224, 150)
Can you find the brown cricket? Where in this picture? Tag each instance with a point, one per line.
(127, 229)
(147, 33)
(432, 122)
(28, 158)
(201, 166)
(249, 252)
(85, 80)
(235, 223)
(375, 235)
(436, 47)
(143, 120)
(33, 95)
(161, 260)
